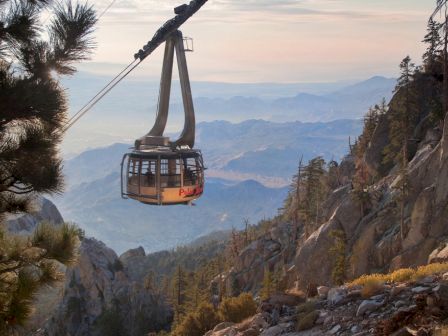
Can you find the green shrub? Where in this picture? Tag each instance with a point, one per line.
(306, 320)
(236, 309)
(306, 307)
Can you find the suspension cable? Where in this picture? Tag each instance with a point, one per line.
(92, 102)
(169, 27)
(107, 8)
(438, 8)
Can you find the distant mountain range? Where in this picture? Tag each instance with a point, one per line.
(124, 224)
(129, 110)
(254, 149)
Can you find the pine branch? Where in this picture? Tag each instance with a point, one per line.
(70, 36)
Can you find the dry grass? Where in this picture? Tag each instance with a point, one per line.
(401, 275)
(441, 331)
(372, 281)
(430, 269)
(371, 288)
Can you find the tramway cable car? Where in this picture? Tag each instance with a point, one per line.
(159, 171)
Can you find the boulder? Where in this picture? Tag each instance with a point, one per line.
(222, 326)
(312, 259)
(439, 255)
(336, 295)
(322, 291)
(272, 331)
(367, 306)
(258, 322)
(43, 210)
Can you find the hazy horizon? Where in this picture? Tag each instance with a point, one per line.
(259, 41)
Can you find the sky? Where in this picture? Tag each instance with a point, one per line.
(282, 41)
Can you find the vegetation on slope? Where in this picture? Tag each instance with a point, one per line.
(32, 112)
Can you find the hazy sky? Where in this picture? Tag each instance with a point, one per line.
(270, 40)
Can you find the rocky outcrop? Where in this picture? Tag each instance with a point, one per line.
(412, 308)
(98, 284)
(272, 252)
(373, 238)
(48, 298)
(43, 210)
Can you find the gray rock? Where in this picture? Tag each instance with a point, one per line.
(368, 306)
(336, 295)
(354, 329)
(322, 291)
(259, 322)
(400, 303)
(420, 289)
(335, 329)
(222, 326)
(43, 210)
(379, 297)
(272, 331)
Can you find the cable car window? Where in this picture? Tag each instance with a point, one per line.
(148, 173)
(191, 167)
(170, 173)
(133, 173)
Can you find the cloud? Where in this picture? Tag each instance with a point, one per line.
(237, 11)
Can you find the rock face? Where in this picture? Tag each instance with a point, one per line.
(271, 252)
(99, 284)
(373, 238)
(43, 210)
(47, 299)
(96, 285)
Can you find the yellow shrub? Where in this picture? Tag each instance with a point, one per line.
(430, 269)
(370, 279)
(371, 288)
(402, 275)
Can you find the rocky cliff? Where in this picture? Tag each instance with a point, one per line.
(97, 289)
(99, 295)
(374, 240)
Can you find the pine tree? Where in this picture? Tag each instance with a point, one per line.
(32, 111)
(403, 117)
(337, 253)
(334, 178)
(179, 296)
(362, 177)
(434, 42)
(268, 287)
(315, 190)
